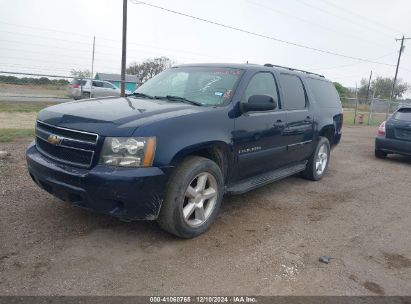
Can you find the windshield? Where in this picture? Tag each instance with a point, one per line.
(205, 85)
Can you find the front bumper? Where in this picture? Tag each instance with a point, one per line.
(390, 145)
(126, 193)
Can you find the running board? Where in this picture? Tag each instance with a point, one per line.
(248, 184)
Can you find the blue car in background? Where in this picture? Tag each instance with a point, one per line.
(394, 135)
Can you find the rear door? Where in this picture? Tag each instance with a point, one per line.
(399, 126)
(98, 89)
(300, 121)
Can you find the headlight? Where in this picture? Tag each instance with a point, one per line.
(128, 151)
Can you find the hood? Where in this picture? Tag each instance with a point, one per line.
(113, 116)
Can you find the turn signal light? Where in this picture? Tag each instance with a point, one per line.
(381, 129)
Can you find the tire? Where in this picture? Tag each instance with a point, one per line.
(380, 154)
(316, 167)
(185, 195)
(86, 95)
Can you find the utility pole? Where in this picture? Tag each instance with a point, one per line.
(92, 66)
(369, 85)
(123, 52)
(356, 103)
(398, 64)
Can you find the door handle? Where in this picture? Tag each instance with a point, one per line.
(279, 123)
(308, 119)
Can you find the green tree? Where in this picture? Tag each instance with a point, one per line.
(342, 91)
(382, 86)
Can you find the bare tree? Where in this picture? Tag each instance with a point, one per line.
(80, 73)
(149, 68)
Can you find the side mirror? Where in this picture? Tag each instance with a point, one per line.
(259, 103)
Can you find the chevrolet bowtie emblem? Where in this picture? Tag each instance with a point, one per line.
(54, 139)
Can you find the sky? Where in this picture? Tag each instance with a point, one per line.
(55, 36)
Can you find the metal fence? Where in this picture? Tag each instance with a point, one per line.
(368, 112)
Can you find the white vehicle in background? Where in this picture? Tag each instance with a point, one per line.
(82, 89)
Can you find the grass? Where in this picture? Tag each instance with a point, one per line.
(33, 90)
(23, 107)
(377, 118)
(18, 119)
(7, 135)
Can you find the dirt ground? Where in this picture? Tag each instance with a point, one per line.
(266, 242)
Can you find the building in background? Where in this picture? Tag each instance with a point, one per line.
(131, 80)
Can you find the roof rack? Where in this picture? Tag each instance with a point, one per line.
(291, 69)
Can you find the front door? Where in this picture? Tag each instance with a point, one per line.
(258, 142)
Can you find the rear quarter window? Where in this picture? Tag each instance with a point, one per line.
(294, 93)
(79, 82)
(403, 114)
(324, 93)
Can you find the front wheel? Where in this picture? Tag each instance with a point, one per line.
(318, 162)
(193, 198)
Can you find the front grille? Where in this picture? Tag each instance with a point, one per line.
(68, 133)
(403, 134)
(76, 148)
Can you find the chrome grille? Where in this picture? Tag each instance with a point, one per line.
(76, 148)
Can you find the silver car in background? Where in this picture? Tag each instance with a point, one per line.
(82, 89)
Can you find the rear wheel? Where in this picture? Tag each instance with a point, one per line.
(193, 198)
(86, 95)
(380, 154)
(318, 162)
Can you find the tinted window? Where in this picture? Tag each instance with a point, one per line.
(294, 95)
(79, 82)
(403, 114)
(108, 85)
(97, 84)
(262, 84)
(325, 93)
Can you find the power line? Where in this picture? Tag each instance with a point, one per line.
(148, 52)
(391, 29)
(47, 29)
(31, 67)
(338, 16)
(79, 65)
(259, 35)
(283, 13)
(33, 74)
(101, 38)
(351, 64)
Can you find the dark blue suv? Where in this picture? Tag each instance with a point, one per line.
(191, 134)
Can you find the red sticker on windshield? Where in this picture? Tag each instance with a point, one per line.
(227, 72)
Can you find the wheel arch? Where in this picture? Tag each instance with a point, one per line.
(328, 132)
(217, 151)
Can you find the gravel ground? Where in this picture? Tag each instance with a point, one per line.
(266, 242)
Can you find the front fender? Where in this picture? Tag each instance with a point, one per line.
(180, 136)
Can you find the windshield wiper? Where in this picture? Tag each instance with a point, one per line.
(178, 98)
(137, 94)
